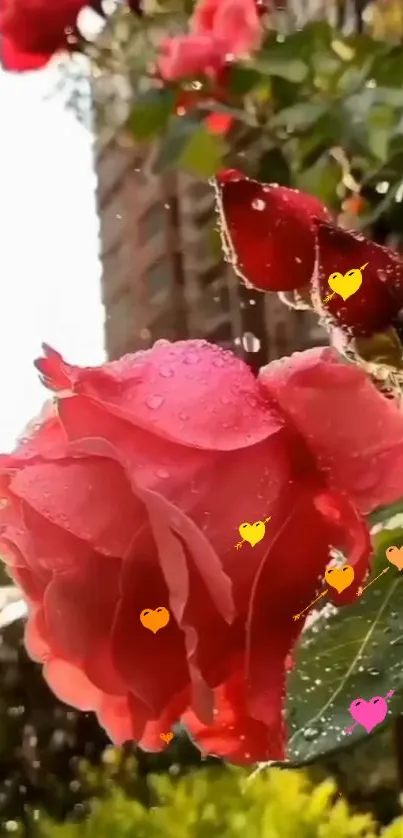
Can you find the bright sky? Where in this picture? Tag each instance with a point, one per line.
(49, 269)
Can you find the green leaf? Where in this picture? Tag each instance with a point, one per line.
(242, 80)
(322, 179)
(387, 68)
(353, 653)
(189, 145)
(292, 70)
(203, 154)
(303, 44)
(273, 168)
(386, 513)
(380, 122)
(301, 115)
(174, 142)
(150, 113)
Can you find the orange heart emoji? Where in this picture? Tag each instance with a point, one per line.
(167, 737)
(154, 620)
(339, 578)
(394, 555)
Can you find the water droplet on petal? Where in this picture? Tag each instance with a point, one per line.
(162, 473)
(154, 402)
(258, 204)
(166, 372)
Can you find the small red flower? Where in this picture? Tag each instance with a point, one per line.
(130, 496)
(281, 239)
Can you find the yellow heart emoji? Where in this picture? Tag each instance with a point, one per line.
(348, 284)
(339, 578)
(154, 620)
(252, 533)
(394, 555)
(167, 737)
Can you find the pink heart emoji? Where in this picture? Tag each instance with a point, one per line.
(369, 713)
(394, 555)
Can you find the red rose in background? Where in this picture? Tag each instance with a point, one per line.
(34, 30)
(190, 56)
(281, 239)
(237, 22)
(131, 498)
(218, 29)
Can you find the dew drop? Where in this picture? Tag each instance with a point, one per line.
(258, 204)
(311, 733)
(154, 402)
(166, 372)
(250, 342)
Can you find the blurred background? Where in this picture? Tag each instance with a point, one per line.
(101, 256)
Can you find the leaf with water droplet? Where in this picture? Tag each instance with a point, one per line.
(354, 652)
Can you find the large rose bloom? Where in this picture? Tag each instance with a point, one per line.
(129, 497)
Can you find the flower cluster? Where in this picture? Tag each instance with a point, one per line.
(129, 497)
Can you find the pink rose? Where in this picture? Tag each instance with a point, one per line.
(190, 55)
(129, 497)
(218, 28)
(236, 22)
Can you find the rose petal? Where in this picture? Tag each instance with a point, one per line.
(151, 736)
(234, 734)
(190, 56)
(47, 440)
(190, 392)
(116, 716)
(36, 637)
(236, 21)
(17, 60)
(348, 532)
(272, 632)
(142, 587)
(373, 306)
(80, 606)
(71, 685)
(326, 399)
(90, 499)
(258, 223)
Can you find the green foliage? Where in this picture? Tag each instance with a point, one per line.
(305, 94)
(227, 804)
(150, 113)
(350, 653)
